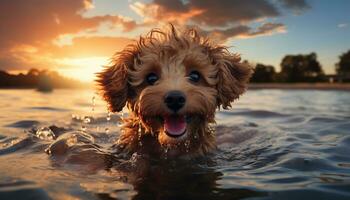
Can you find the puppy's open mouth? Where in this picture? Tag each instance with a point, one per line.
(175, 125)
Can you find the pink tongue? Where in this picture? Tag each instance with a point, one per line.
(175, 125)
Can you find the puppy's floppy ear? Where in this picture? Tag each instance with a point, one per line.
(233, 77)
(114, 81)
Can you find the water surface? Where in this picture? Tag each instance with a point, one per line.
(273, 144)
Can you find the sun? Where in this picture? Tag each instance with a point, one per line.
(83, 69)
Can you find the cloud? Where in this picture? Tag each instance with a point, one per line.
(35, 21)
(29, 27)
(24, 57)
(297, 6)
(268, 29)
(206, 12)
(243, 31)
(222, 19)
(342, 25)
(91, 46)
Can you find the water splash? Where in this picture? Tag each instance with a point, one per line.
(108, 118)
(187, 145)
(134, 158)
(45, 133)
(166, 150)
(122, 115)
(87, 120)
(139, 132)
(93, 101)
(72, 140)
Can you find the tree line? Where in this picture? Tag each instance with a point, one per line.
(40, 79)
(302, 68)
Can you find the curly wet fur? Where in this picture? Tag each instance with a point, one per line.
(171, 54)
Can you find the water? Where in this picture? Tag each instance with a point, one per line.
(274, 144)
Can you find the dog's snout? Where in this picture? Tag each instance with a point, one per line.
(175, 100)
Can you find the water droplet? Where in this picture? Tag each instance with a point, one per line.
(107, 130)
(139, 131)
(48, 151)
(72, 140)
(83, 128)
(166, 150)
(87, 120)
(187, 145)
(133, 159)
(93, 100)
(108, 116)
(122, 115)
(75, 117)
(45, 133)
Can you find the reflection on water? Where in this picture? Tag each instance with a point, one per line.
(274, 144)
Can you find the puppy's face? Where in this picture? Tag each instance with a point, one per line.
(173, 82)
(175, 93)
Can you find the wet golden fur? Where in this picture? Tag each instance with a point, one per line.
(171, 54)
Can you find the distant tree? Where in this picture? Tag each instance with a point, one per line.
(343, 66)
(44, 80)
(33, 72)
(263, 74)
(301, 68)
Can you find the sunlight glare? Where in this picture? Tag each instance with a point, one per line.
(83, 69)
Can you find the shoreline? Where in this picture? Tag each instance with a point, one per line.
(300, 86)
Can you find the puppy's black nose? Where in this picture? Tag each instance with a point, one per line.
(175, 100)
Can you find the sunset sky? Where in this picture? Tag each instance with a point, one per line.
(77, 37)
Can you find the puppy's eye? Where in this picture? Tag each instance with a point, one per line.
(194, 76)
(151, 78)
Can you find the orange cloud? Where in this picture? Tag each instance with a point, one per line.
(34, 21)
(222, 19)
(29, 27)
(91, 46)
(244, 31)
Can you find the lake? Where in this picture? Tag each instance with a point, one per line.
(273, 144)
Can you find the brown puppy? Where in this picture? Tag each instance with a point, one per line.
(172, 82)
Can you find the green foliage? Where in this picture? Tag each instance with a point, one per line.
(343, 67)
(301, 68)
(263, 74)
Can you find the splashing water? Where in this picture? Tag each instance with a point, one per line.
(72, 140)
(122, 115)
(108, 118)
(87, 120)
(45, 133)
(166, 150)
(187, 145)
(93, 102)
(139, 133)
